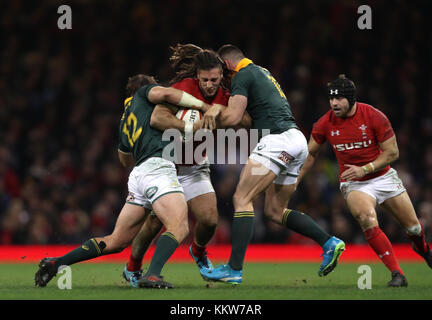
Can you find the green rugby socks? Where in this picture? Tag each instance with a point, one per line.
(305, 225)
(88, 250)
(165, 247)
(242, 230)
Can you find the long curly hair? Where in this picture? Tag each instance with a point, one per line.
(188, 59)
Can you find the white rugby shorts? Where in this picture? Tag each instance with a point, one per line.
(151, 180)
(195, 180)
(380, 188)
(284, 154)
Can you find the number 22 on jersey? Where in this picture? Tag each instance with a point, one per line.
(131, 123)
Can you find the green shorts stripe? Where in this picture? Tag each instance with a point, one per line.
(135, 204)
(282, 167)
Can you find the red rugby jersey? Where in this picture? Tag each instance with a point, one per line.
(191, 86)
(355, 139)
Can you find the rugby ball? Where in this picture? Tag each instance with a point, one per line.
(189, 115)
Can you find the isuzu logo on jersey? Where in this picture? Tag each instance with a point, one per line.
(335, 133)
(352, 145)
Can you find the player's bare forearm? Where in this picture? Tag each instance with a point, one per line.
(229, 119)
(234, 113)
(390, 153)
(313, 151)
(384, 159)
(310, 160)
(246, 121)
(159, 94)
(357, 172)
(162, 118)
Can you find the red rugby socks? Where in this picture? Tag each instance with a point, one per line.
(419, 240)
(382, 247)
(197, 251)
(134, 264)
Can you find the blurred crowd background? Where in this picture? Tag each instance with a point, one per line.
(61, 95)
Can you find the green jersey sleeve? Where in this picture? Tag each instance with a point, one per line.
(144, 91)
(123, 148)
(240, 84)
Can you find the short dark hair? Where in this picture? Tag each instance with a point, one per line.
(207, 59)
(136, 82)
(230, 51)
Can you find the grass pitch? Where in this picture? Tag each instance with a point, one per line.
(261, 281)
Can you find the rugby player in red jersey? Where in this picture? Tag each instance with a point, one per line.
(365, 144)
(199, 73)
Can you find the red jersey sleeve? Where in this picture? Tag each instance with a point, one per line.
(319, 131)
(382, 126)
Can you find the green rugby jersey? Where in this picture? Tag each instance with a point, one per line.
(267, 104)
(136, 135)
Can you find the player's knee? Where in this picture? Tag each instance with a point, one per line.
(414, 230)
(116, 245)
(366, 219)
(208, 222)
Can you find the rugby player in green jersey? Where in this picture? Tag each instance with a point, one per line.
(199, 72)
(272, 167)
(152, 185)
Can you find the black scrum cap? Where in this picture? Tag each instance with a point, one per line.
(342, 87)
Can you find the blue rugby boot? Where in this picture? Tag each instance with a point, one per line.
(333, 249)
(222, 273)
(202, 262)
(132, 276)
